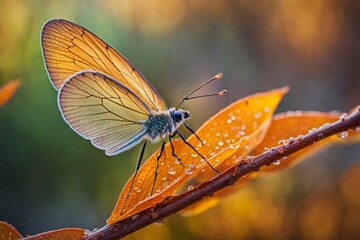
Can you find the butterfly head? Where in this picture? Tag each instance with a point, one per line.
(179, 115)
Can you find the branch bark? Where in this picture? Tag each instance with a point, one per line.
(170, 206)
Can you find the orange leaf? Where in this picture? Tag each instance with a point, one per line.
(284, 126)
(60, 234)
(296, 124)
(7, 91)
(236, 129)
(8, 232)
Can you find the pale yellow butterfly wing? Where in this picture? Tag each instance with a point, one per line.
(69, 48)
(102, 110)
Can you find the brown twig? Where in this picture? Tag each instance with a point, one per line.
(168, 207)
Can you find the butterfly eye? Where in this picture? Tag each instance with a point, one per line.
(177, 115)
(186, 115)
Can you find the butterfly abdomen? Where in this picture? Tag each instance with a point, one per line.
(159, 125)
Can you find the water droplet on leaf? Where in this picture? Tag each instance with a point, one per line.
(171, 171)
(191, 169)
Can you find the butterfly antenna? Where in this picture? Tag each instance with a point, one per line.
(188, 96)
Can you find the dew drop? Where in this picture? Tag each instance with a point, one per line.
(258, 115)
(202, 160)
(284, 157)
(216, 147)
(217, 160)
(282, 142)
(160, 222)
(204, 142)
(194, 155)
(343, 135)
(217, 134)
(241, 133)
(266, 149)
(276, 163)
(140, 181)
(229, 121)
(243, 127)
(357, 129)
(171, 171)
(320, 135)
(191, 169)
(266, 109)
(233, 118)
(176, 162)
(299, 138)
(225, 135)
(164, 178)
(220, 143)
(292, 140)
(190, 188)
(343, 116)
(203, 170)
(87, 232)
(138, 190)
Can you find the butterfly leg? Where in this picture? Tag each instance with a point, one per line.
(157, 166)
(193, 132)
(173, 150)
(192, 147)
(135, 174)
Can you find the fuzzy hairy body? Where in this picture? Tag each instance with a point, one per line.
(160, 124)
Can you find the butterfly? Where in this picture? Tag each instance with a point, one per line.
(103, 97)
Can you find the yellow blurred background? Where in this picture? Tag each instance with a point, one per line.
(51, 178)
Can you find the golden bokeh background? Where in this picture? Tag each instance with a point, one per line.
(51, 178)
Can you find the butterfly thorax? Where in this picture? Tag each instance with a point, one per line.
(159, 124)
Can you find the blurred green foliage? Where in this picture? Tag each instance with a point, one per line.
(51, 178)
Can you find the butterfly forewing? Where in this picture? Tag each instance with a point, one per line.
(69, 48)
(104, 111)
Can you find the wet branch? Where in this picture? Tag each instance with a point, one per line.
(168, 207)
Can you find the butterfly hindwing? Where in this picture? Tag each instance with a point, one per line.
(101, 109)
(69, 48)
